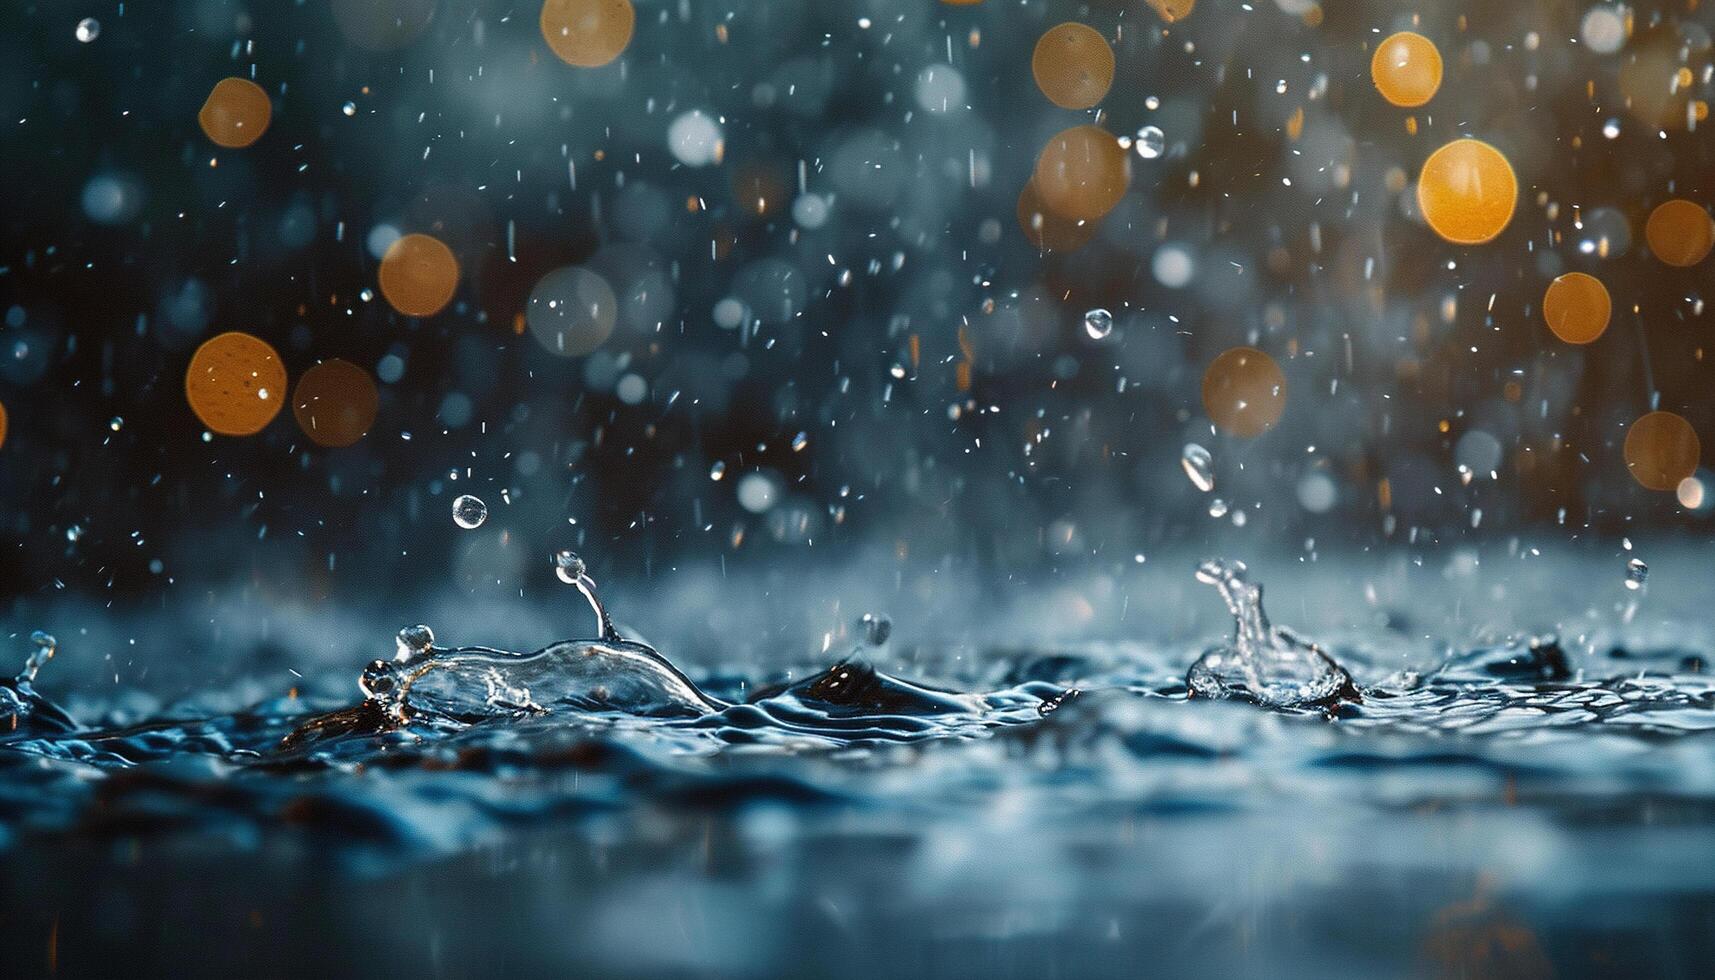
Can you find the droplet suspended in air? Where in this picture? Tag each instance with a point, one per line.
(1637, 573)
(1467, 192)
(568, 566)
(1151, 142)
(350, 108)
(1098, 323)
(88, 29)
(469, 512)
(1199, 466)
(876, 628)
(1406, 69)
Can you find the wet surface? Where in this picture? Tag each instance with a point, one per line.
(1084, 812)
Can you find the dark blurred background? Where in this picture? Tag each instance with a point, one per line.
(794, 267)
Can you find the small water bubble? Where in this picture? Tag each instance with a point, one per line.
(1217, 508)
(1611, 129)
(1199, 466)
(1637, 573)
(876, 628)
(469, 512)
(116, 423)
(88, 29)
(717, 471)
(1098, 323)
(1151, 142)
(799, 441)
(568, 566)
(350, 108)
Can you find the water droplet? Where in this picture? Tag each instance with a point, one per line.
(1098, 323)
(1199, 467)
(88, 29)
(717, 471)
(414, 641)
(469, 512)
(1217, 508)
(876, 628)
(1637, 573)
(45, 645)
(350, 108)
(1151, 142)
(116, 423)
(568, 566)
(1611, 129)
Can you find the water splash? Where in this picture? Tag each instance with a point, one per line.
(1265, 664)
(45, 647)
(22, 709)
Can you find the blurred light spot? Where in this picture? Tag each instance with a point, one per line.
(380, 239)
(335, 403)
(1173, 266)
(587, 33)
(695, 139)
(390, 368)
(455, 410)
(1073, 66)
(1317, 492)
(940, 88)
(1661, 450)
(236, 113)
(572, 311)
(1603, 29)
(1082, 173)
(1406, 69)
(1679, 232)
(632, 389)
(1244, 392)
(728, 313)
(235, 384)
(109, 200)
(1576, 307)
(810, 211)
(419, 275)
(757, 492)
(1478, 452)
(1467, 192)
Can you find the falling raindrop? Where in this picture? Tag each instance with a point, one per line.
(1199, 466)
(469, 512)
(1151, 142)
(1637, 573)
(876, 628)
(88, 29)
(1098, 323)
